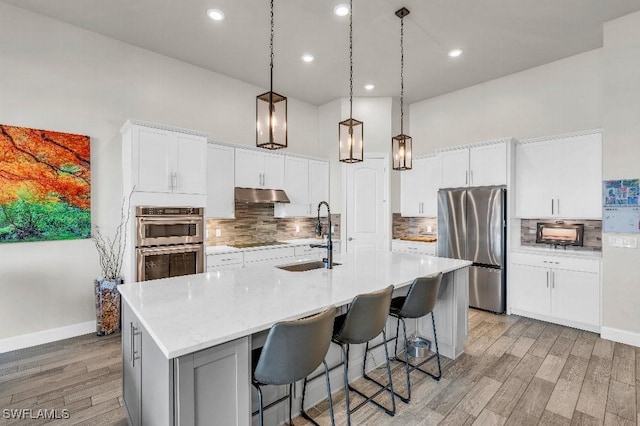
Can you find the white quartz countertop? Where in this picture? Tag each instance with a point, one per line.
(194, 312)
(294, 242)
(547, 251)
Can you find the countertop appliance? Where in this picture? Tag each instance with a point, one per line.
(169, 242)
(560, 234)
(472, 226)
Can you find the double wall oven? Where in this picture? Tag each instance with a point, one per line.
(169, 242)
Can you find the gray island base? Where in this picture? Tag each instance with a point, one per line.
(187, 340)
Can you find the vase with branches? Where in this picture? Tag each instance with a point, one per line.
(110, 256)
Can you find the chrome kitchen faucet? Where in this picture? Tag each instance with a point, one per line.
(328, 261)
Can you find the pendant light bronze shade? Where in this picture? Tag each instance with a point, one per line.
(271, 112)
(402, 145)
(350, 131)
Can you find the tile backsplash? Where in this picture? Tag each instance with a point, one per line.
(413, 226)
(592, 240)
(254, 223)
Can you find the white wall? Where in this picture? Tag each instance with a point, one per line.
(621, 154)
(559, 97)
(58, 77)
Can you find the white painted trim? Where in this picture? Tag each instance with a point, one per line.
(555, 320)
(255, 148)
(561, 136)
(133, 122)
(620, 336)
(52, 335)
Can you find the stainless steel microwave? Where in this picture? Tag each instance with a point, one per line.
(560, 233)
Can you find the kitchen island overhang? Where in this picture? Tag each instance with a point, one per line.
(190, 317)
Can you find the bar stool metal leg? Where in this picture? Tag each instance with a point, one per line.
(345, 363)
(388, 386)
(260, 409)
(303, 413)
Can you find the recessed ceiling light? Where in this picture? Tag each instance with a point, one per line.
(307, 57)
(369, 86)
(215, 14)
(454, 53)
(341, 10)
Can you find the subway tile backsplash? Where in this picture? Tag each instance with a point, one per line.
(592, 234)
(254, 223)
(413, 226)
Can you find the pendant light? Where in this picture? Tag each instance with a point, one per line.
(402, 145)
(271, 112)
(350, 131)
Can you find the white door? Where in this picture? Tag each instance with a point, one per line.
(530, 289)
(454, 168)
(367, 223)
(155, 159)
(273, 175)
(576, 296)
(249, 168)
(537, 179)
(318, 185)
(488, 165)
(191, 165)
(581, 177)
(220, 191)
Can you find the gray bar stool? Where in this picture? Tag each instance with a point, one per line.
(419, 301)
(293, 350)
(364, 321)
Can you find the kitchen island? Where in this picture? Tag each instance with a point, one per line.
(187, 340)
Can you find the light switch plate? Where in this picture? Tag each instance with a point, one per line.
(218, 232)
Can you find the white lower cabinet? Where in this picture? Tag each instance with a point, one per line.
(565, 290)
(224, 261)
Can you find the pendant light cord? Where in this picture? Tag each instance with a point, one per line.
(351, 59)
(402, 76)
(271, 48)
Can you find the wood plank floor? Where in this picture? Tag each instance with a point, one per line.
(515, 371)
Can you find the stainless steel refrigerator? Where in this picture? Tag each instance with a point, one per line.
(472, 226)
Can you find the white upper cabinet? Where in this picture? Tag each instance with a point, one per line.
(255, 169)
(220, 182)
(419, 188)
(479, 165)
(560, 178)
(306, 184)
(164, 161)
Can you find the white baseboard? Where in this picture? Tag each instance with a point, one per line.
(620, 336)
(40, 337)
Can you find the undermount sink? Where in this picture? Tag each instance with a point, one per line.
(301, 267)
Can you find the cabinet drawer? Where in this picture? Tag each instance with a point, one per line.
(266, 254)
(557, 262)
(412, 247)
(224, 259)
(308, 251)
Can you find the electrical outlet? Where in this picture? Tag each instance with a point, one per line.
(297, 228)
(218, 232)
(333, 229)
(429, 228)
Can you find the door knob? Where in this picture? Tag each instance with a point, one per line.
(349, 239)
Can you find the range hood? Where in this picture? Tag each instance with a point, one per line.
(261, 196)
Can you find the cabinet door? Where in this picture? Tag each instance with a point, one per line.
(156, 383)
(318, 185)
(581, 178)
(537, 179)
(430, 185)
(488, 165)
(131, 378)
(191, 165)
(249, 168)
(273, 177)
(220, 182)
(454, 168)
(529, 287)
(154, 160)
(411, 190)
(576, 296)
(297, 189)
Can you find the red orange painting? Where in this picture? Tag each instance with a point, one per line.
(45, 185)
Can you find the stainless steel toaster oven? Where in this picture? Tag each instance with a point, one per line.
(560, 233)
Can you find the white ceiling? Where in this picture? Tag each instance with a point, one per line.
(499, 37)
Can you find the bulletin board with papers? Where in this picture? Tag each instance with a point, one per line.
(621, 210)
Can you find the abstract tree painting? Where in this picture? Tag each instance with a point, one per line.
(45, 185)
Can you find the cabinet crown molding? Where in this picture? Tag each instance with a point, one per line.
(475, 144)
(133, 122)
(275, 152)
(561, 136)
